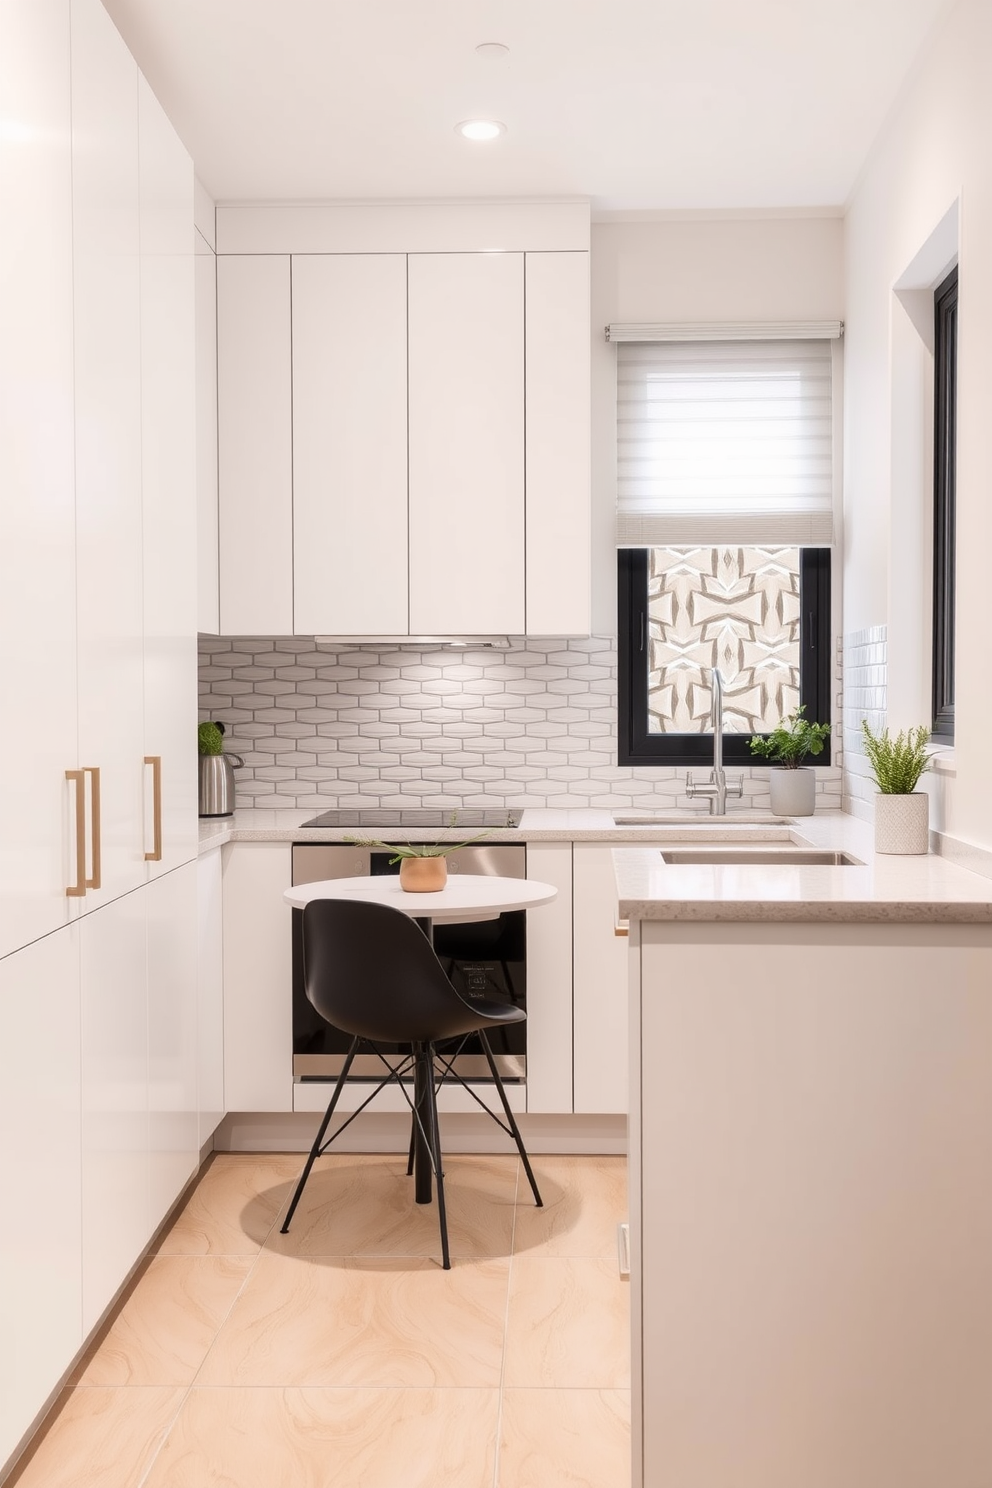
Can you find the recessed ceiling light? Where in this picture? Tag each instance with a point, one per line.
(494, 50)
(480, 129)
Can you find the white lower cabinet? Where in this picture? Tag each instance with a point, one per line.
(600, 1037)
(173, 1118)
(549, 982)
(41, 1316)
(114, 1010)
(210, 996)
(258, 982)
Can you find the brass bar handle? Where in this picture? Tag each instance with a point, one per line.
(155, 760)
(92, 770)
(621, 927)
(78, 889)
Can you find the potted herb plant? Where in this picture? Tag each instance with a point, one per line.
(423, 865)
(902, 813)
(793, 787)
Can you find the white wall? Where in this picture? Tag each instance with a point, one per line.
(929, 171)
(693, 269)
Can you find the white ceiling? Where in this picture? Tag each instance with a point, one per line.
(636, 104)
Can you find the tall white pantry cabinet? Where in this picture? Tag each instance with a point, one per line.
(98, 1011)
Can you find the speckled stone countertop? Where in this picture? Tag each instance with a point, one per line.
(536, 825)
(921, 888)
(881, 888)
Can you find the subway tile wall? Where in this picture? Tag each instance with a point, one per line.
(865, 676)
(532, 726)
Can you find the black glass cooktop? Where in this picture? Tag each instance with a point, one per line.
(383, 818)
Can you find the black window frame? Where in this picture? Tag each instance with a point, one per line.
(635, 745)
(945, 304)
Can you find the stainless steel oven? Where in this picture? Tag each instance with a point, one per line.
(483, 958)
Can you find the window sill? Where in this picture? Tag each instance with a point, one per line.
(944, 762)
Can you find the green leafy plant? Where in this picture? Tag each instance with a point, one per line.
(210, 737)
(898, 763)
(402, 850)
(793, 739)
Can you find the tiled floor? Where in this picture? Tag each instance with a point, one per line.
(342, 1356)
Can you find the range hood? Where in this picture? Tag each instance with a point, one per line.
(420, 642)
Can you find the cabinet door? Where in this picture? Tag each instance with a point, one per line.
(349, 444)
(258, 978)
(168, 487)
(173, 1130)
(210, 996)
(255, 445)
(37, 538)
(208, 557)
(600, 985)
(40, 1279)
(114, 1010)
(549, 982)
(466, 443)
(108, 438)
(558, 416)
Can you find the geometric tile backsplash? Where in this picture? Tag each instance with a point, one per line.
(534, 725)
(865, 696)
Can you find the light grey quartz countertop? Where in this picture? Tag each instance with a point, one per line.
(880, 887)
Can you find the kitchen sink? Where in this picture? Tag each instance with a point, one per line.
(696, 819)
(795, 857)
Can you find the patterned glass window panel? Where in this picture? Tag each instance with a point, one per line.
(732, 608)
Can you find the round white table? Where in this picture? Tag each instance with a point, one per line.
(465, 897)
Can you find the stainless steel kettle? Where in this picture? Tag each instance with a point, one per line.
(217, 783)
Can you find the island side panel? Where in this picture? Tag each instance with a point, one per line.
(815, 1147)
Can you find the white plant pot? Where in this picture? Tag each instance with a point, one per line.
(793, 791)
(902, 823)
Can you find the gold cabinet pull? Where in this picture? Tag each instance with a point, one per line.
(155, 760)
(78, 889)
(93, 771)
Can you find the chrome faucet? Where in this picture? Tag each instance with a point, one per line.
(717, 788)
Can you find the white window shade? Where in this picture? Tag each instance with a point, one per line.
(724, 442)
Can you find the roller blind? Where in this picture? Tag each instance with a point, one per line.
(724, 442)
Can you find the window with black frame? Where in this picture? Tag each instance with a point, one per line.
(725, 501)
(945, 410)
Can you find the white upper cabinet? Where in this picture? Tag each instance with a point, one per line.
(168, 488)
(37, 521)
(108, 446)
(350, 525)
(208, 602)
(558, 505)
(255, 444)
(404, 421)
(466, 433)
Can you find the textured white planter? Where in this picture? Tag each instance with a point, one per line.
(793, 791)
(902, 823)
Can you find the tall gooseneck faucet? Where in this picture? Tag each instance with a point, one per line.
(717, 788)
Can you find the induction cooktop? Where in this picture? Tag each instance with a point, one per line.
(421, 820)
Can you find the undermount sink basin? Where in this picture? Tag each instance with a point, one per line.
(696, 819)
(795, 857)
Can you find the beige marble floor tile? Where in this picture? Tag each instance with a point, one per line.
(372, 1321)
(354, 1204)
(101, 1438)
(233, 1206)
(585, 1198)
(161, 1333)
(568, 1324)
(331, 1438)
(565, 1438)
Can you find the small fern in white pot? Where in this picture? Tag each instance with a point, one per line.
(902, 814)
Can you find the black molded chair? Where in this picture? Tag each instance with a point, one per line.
(371, 971)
